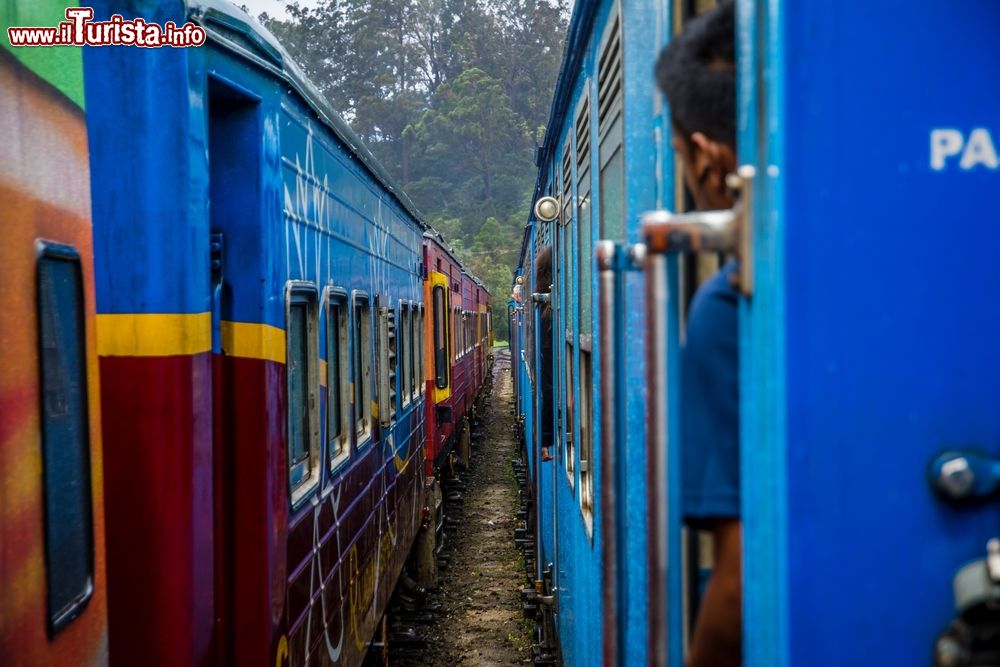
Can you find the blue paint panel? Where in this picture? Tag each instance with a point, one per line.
(158, 205)
(891, 349)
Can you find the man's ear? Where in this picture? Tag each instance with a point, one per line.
(713, 161)
(715, 153)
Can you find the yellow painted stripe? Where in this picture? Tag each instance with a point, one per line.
(255, 341)
(153, 334)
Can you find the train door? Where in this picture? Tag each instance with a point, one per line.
(868, 366)
(871, 336)
(234, 167)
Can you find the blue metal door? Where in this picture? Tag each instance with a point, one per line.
(870, 338)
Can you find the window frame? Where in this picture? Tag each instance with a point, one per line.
(303, 292)
(442, 380)
(421, 356)
(362, 379)
(59, 618)
(404, 354)
(337, 297)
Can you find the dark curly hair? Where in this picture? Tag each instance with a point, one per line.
(697, 71)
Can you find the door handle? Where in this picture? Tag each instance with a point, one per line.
(726, 230)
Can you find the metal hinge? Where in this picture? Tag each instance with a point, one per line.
(215, 255)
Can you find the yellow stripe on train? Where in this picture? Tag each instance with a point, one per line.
(153, 334)
(253, 341)
(179, 334)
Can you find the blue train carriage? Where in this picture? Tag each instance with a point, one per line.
(602, 162)
(264, 441)
(829, 484)
(868, 356)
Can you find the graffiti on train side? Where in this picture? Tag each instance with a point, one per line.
(363, 583)
(319, 224)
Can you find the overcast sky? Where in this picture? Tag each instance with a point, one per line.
(272, 7)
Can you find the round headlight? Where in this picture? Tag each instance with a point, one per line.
(547, 209)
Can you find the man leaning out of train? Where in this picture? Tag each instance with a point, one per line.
(543, 279)
(697, 73)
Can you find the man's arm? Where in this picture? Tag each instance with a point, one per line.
(718, 630)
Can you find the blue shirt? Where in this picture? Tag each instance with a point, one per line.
(710, 402)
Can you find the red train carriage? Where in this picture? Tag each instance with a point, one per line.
(442, 296)
(454, 375)
(53, 605)
(483, 334)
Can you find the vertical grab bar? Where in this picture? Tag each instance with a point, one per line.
(657, 476)
(607, 286)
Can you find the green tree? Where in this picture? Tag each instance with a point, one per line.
(470, 144)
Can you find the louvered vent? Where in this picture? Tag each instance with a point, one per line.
(387, 363)
(583, 136)
(609, 74)
(567, 183)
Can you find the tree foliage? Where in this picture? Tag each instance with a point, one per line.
(448, 95)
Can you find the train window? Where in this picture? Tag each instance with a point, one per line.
(610, 106)
(419, 357)
(362, 369)
(440, 316)
(65, 431)
(387, 350)
(336, 379)
(415, 352)
(405, 356)
(586, 439)
(568, 289)
(302, 369)
(694, 268)
(584, 275)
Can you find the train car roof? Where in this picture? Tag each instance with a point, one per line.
(434, 235)
(237, 31)
(581, 25)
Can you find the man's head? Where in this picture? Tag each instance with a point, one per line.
(697, 71)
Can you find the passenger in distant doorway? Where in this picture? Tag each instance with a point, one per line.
(697, 71)
(543, 283)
